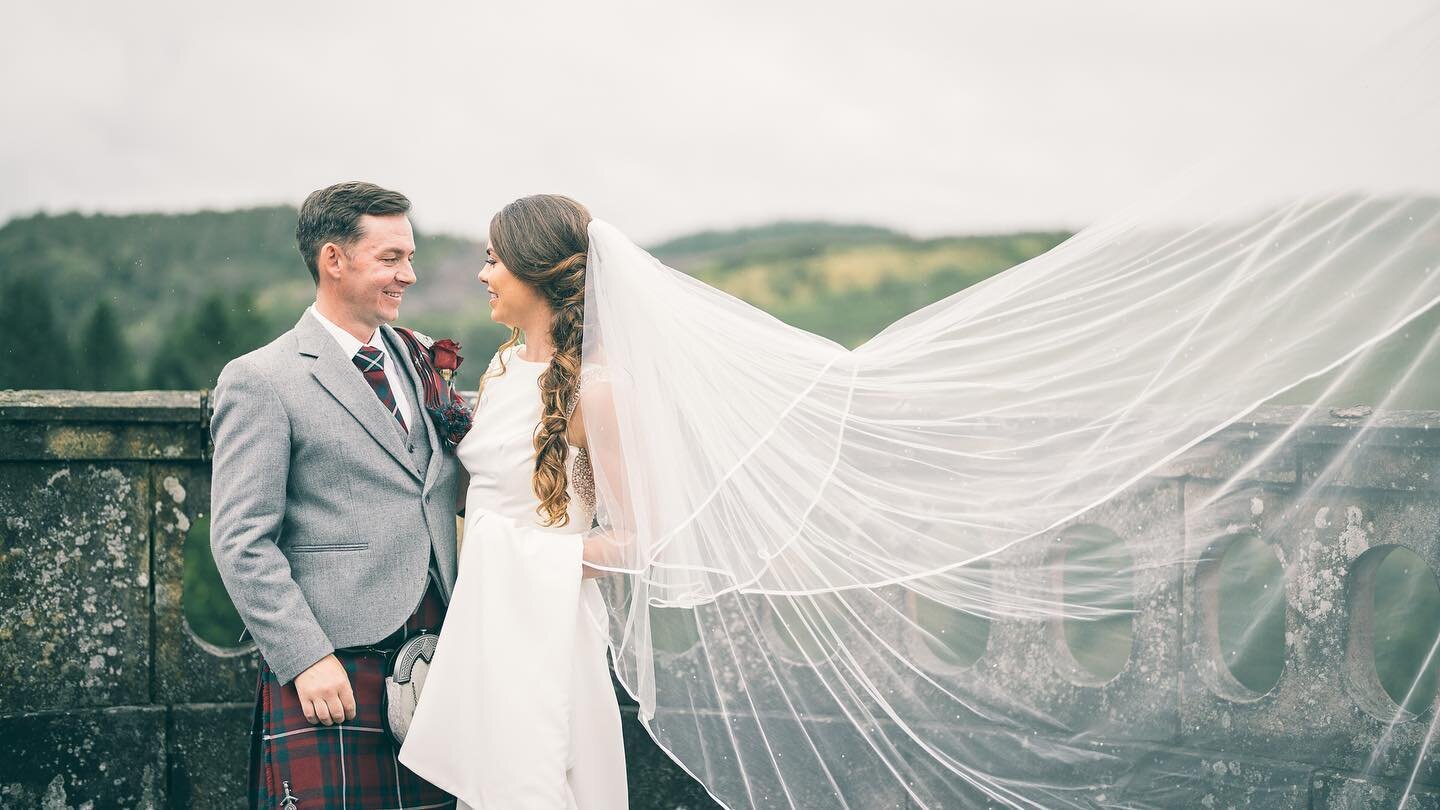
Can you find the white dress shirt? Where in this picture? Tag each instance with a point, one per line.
(350, 346)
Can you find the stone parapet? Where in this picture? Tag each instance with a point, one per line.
(107, 696)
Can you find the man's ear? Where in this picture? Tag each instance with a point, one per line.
(330, 260)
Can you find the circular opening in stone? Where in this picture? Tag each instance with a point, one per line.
(1406, 603)
(953, 636)
(208, 610)
(1249, 607)
(673, 630)
(1098, 602)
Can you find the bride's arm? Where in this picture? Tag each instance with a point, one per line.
(593, 427)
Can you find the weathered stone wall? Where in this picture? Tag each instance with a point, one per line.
(109, 700)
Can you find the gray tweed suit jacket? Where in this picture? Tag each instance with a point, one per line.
(325, 513)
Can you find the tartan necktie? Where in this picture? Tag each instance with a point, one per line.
(371, 362)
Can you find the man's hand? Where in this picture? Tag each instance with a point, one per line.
(324, 691)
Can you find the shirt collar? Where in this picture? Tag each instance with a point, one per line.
(347, 341)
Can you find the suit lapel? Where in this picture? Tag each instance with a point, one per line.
(339, 376)
(398, 350)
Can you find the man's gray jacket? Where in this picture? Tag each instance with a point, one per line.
(325, 513)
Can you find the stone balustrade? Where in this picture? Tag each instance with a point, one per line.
(108, 699)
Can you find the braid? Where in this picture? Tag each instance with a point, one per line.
(558, 389)
(544, 241)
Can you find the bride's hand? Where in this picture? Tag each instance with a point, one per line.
(596, 544)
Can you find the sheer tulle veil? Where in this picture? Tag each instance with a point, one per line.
(872, 576)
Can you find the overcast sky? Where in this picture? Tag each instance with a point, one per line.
(664, 117)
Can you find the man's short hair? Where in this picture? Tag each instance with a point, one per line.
(333, 215)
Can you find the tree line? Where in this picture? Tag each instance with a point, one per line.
(163, 301)
(43, 350)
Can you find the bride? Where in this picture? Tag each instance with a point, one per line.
(892, 575)
(772, 523)
(764, 528)
(518, 709)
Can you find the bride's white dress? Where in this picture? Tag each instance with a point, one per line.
(518, 710)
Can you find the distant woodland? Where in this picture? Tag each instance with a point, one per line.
(145, 301)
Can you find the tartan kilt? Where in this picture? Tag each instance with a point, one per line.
(350, 764)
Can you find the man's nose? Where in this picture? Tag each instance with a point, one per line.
(406, 275)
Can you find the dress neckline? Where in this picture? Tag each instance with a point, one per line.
(515, 355)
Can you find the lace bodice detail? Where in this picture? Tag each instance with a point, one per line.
(581, 474)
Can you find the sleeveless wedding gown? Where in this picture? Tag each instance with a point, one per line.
(518, 710)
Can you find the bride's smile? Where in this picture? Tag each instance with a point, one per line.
(514, 302)
(497, 277)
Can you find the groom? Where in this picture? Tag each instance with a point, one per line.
(333, 506)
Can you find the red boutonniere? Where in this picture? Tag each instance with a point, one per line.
(445, 353)
(437, 361)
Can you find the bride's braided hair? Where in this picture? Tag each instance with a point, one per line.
(543, 240)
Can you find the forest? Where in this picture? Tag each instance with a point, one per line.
(163, 301)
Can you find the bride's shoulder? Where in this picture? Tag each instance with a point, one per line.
(594, 386)
(493, 370)
(598, 380)
(593, 374)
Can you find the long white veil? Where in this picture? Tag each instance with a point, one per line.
(968, 562)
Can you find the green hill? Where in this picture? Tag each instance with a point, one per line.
(846, 282)
(172, 296)
(156, 267)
